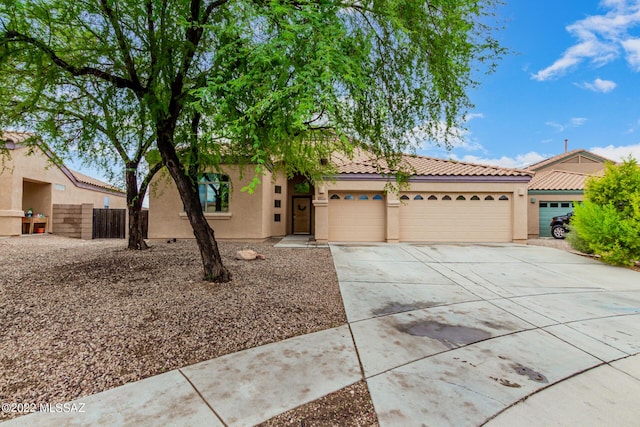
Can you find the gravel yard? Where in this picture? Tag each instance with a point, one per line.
(80, 317)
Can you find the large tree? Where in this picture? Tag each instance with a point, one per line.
(89, 119)
(276, 83)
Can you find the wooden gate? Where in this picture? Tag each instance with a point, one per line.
(109, 223)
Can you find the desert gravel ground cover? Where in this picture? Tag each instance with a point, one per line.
(79, 317)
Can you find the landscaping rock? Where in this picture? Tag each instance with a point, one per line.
(249, 255)
(246, 254)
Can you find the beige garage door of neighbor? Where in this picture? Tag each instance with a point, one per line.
(356, 217)
(455, 217)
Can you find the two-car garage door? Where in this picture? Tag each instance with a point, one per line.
(424, 217)
(462, 217)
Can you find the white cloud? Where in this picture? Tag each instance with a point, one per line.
(633, 127)
(599, 85)
(577, 121)
(430, 138)
(519, 161)
(523, 160)
(618, 153)
(474, 116)
(600, 40)
(574, 122)
(632, 49)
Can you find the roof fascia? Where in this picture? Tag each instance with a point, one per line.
(556, 192)
(434, 178)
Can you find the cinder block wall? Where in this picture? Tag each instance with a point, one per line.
(74, 221)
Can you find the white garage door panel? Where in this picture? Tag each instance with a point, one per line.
(456, 220)
(356, 220)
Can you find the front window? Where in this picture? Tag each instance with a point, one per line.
(214, 192)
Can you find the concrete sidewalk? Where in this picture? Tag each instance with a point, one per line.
(239, 389)
(446, 335)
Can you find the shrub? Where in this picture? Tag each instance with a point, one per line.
(578, 242)
(608, 222)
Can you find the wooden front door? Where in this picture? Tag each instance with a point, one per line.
(301, 215)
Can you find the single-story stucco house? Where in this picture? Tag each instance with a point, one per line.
(446, 201)
(62, 200)
(559, 182)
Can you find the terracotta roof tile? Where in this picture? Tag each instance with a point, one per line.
(94, 182)
(15, 137)
(559, 180)
(428, 166)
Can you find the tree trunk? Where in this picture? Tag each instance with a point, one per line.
(134, 210)
(214, 270)
(136, 236)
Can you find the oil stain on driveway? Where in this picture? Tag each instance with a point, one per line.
(462, 334)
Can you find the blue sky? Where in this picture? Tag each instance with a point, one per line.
(574, 74)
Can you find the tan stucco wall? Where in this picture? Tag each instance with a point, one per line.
(278, 228)
(517, 192)
(576, 163)
(250, 216)
(31, 181)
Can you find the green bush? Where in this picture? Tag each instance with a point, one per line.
(578, 242)
(608, 222)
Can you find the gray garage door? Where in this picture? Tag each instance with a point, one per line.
(550, 209)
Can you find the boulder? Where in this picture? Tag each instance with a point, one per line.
(246, 254)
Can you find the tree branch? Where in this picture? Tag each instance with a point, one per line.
(153, 47)
(193, 36)
(153, 169)
(122, 42)
(14, 36)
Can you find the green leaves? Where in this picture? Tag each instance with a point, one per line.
(609, 219)
(375, 71)
(282, 84)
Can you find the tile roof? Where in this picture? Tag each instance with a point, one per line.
(559, 181)
(86, 179)
(563, 156)
(15, 137)
(426, 166)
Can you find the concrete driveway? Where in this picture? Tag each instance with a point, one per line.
(499, 334)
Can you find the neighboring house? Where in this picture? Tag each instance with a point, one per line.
(29, 180)
(557, 184)
(447, 201)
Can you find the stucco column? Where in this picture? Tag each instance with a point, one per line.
(520, 231)
(11, 212)
(393, 218)
(321, 211)
(321, 233)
